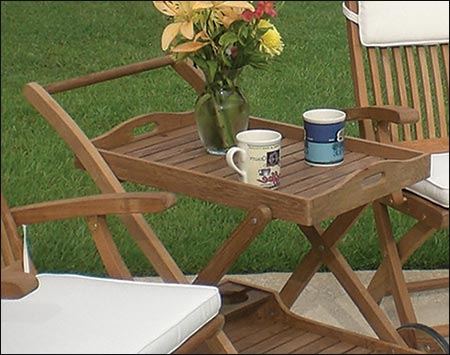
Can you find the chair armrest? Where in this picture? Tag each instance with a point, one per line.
(393, 114)
(102, 204)
(16, 284)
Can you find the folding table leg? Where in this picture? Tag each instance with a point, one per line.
(229, 252)
(336, 263)
(311, 263)
(324, 251)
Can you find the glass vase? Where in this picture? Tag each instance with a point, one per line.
(221, 112)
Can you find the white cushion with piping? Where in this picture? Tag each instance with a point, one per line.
(390, 23)
(88, 315)
(435, 188)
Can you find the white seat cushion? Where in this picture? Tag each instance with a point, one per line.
(87, 315)
(397, 23)
(435, 188)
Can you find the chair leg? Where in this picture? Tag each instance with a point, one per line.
(393, 265)
(410, 242)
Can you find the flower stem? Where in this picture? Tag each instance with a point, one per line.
(223, 122)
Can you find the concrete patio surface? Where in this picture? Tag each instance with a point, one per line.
(324, 299)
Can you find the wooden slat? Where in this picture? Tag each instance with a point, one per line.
(426, 87)
(444, 51)
(293, 345)
(389, 87)
(169, 142)
(241, 329)
(329, 184)
(205, 164)
(316, 177)
(273, 342)
(257, 337)
(401, 84)
(180, 152)
(439, 93)
(339, 348)
(414, 85)
(318, 345)
(149, 140)
(375, 76)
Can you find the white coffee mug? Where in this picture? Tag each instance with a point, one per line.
(258, 157)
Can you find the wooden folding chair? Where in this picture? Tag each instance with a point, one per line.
(399, 61)
(89, 158)
(63, 313)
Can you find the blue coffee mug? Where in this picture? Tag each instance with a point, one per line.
(324, 141)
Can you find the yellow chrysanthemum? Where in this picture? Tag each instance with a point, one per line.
(271, 41)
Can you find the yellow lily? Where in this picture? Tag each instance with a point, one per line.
(194, 45)
(229, 11)
(182, 12)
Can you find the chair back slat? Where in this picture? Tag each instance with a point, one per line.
(407, 75)
(11, 240)
(426, 92)
(414, 89)
(402, 88)
(444, 50)
(439, 86)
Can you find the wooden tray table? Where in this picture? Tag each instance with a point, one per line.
(169, 156)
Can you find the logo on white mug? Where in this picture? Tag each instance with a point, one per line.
(273, 158)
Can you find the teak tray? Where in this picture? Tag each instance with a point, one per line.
(257, 322)
(171, 157)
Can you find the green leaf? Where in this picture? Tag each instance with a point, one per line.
(212, 68)
(228, 38)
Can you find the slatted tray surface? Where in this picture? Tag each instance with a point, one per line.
(174, 159)
(182, 149)
(266, 337)
(258, 324)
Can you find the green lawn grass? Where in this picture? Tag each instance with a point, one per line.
(56, 40)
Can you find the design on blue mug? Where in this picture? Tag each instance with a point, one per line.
(324, 143)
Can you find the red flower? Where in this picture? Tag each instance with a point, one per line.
(263, 7)
(248, 16)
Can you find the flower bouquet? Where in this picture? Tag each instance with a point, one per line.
(221, 38)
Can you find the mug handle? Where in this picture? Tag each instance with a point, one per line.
(230, 160)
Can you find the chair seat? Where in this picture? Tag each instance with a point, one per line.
(105, 316)
(435, 188)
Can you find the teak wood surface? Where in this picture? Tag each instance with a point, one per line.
(170, 157)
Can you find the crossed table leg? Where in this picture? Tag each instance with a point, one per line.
(324, 251)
